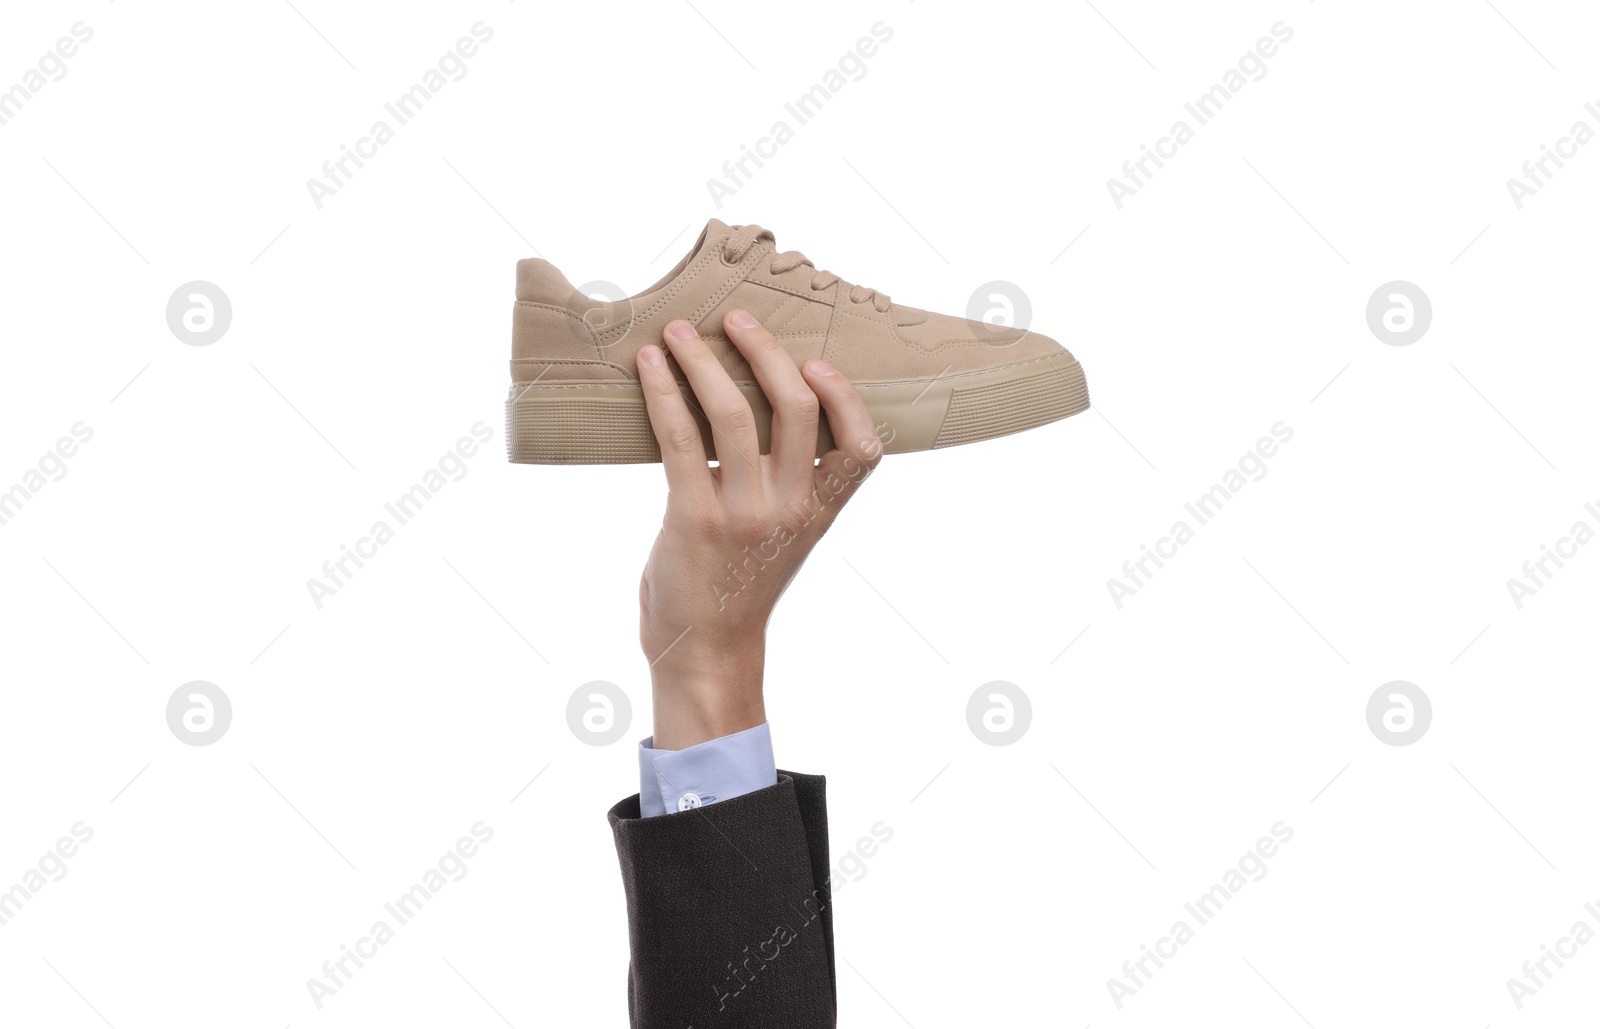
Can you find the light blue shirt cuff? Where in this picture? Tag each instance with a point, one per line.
(719, 769)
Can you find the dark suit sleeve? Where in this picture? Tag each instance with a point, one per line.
(730, 921)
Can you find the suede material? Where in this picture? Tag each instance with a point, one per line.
(904, 315)
(563, 336)
(553, 370)
(538, 278)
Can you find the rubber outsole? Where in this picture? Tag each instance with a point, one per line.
(607, 423)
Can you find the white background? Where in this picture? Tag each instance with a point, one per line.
(1228, 695)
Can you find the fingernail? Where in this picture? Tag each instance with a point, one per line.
(681, 330)
(651, 355)
(741, 319)
(821, 367)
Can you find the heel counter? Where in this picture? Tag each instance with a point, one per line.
(543, 330)
(554, 344)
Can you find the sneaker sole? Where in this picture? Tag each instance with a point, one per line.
(607, 423)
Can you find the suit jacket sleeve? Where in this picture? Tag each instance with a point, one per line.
(730, 920)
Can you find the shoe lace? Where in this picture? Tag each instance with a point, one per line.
(746, 236)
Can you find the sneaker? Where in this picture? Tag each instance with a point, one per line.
(929, 380)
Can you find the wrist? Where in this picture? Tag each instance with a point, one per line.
(699, 697)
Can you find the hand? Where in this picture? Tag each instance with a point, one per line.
(735, 535)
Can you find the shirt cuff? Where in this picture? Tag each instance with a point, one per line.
(720, 769)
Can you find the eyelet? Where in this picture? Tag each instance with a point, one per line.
(725, 262)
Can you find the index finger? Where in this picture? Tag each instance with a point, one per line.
(677, 433)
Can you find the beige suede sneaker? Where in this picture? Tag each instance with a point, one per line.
(929, 380)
